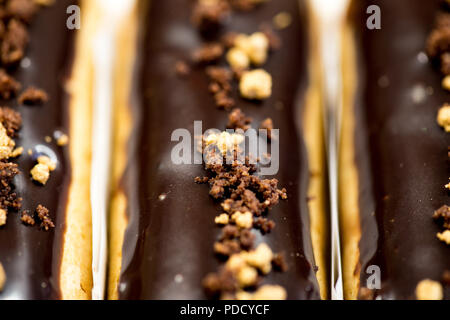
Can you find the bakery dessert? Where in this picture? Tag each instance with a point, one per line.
(394, 153)
(198, 231)
(45, 116)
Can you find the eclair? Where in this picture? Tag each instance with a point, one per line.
(394, 151)
(45, 125)
(228, 224)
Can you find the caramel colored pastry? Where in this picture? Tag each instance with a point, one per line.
(394, 151)
(45, 217)
(204, 231)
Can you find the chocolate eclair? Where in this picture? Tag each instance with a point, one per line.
(45, 116)
(198, 230)
(394, 154)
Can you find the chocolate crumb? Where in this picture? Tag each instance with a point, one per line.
(208, 53)
(33, 96)
(267, 124)
(182, 68)
(279, 262)
(238, 120)
(442, 215)
(27, 218)
(22, 9)
(264, 224)
(14, 42)
(43, 214)
(208, 16)
(11, 120)
(8, 86)
(221, 282)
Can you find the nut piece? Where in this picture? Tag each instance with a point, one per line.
(6, 144)
(256, 46)
(256, 84)
(446, 82)
(222, 219)
(429, 290)
(47, 162)
(3, 216)
(243, 220)
(270, 292)
(238, 59)
(62, 140)
(443, 117)
(236, 262)
(247, 276)
(444, 236)
(282, 20)
(261, 258)
(40, 173)
(225, 141)
(2, 277)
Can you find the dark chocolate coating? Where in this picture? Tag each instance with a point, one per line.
(401, 152)
(175, 236)
(32, 257)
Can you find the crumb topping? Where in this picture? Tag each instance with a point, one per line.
(256, 85)
(44, 216)
(15, 18)
(245, 198)
(443, 117)
(33, 96)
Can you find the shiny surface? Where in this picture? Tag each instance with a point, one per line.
(173, 238)
(31, 257)
(401, 152)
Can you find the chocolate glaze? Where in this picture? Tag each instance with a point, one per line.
(401, 152)
(31, 257)
(176, 236)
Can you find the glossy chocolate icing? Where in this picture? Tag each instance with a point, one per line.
(31, 257)
(401, 152)
(175, 236)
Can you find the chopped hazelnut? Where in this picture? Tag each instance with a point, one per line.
(17, 152)
(444, 236)
(224, 141)
(443, 117)
(222, 219)
(282, 20)
(256, 46)
(3, 216)
(270, 292)
(238, 59)
(40, 173)
(446, 82)
(247, 276)
(63, 140)
(429, 290)
(47, 162)
(2, 277)
(243, 220)
(260, 258)
(256, 84)
(235, 263)
(6, 144)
